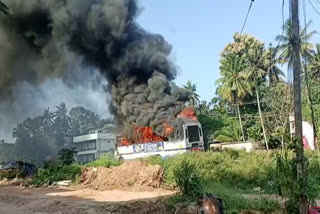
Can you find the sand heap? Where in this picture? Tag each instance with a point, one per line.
(133, 175)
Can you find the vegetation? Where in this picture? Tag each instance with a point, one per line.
(106, 160)
(45, 135)
(63, 169)
(245, 171)
(56, 172)
(232, 175)
(66, 156)
(195, 174)
(188, 180)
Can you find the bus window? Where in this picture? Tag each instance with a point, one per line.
(187, 133)
(193, 133)
(200, 132)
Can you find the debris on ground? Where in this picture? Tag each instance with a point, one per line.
(4, 181)
(62, 183)
(134, 175)
(185, 208)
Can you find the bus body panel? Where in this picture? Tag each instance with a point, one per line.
(192, 141)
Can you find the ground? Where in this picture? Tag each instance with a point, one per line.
(19, 200)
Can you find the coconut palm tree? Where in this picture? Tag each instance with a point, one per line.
(194, 97)
(234, 85)
(254, 73)
(61, 125)
(204, 107)
(314, 65)
(306, 54)
(271, 61)
(47, 118)
(286, 47)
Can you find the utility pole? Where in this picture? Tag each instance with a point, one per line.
(301, 173)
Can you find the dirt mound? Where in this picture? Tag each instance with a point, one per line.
(134, 175)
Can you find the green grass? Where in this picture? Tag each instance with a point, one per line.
(246, 171)
(232, 167)
(234, 201)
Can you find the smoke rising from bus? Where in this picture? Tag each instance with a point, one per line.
(46, 39)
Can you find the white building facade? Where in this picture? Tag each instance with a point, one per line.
(307, 131)
(91, 146)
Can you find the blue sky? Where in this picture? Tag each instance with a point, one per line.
(198, 30)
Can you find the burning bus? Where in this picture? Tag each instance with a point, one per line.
(185, 136)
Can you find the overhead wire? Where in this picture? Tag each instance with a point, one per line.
(314, 8)
(245, 21)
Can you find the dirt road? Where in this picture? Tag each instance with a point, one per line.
(17, 200)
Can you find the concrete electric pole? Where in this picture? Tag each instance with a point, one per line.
(301, 172)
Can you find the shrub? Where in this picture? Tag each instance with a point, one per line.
(66, 156)
(56, 172)
(188, 180)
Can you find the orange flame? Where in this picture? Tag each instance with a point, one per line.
(188, 113)
(168, 129)
(146, 134)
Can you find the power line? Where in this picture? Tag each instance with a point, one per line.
(282, 15)
(315, 9)
(245, 21)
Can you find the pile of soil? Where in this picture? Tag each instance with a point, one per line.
(4, 182)
(134, 175)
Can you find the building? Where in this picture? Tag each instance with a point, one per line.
(91, 146)
(7, 151)
(307, 131)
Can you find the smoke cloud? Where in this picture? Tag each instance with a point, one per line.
(30, 100)
(44, 42)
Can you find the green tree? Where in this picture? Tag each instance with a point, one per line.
(252, 53)
(31, 141)
(279, 103)
(286, 47)
(271, 62)
(66, 156)
(234, 86)
(314, 65)
(255, 73)
(204, 107)
(82, 119)
(231, 132)
(306, 53)
(193, 96)
(61, 126)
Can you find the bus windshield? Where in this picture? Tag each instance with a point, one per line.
(193, 132)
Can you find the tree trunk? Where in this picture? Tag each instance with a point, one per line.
(240, 122)
(301, 172)
(261, 120)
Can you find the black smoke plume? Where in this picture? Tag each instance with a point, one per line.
(44, 39)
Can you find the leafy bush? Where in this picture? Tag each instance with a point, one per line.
(106, 160)
(188, 180)
(56, 172)
(66, 156)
